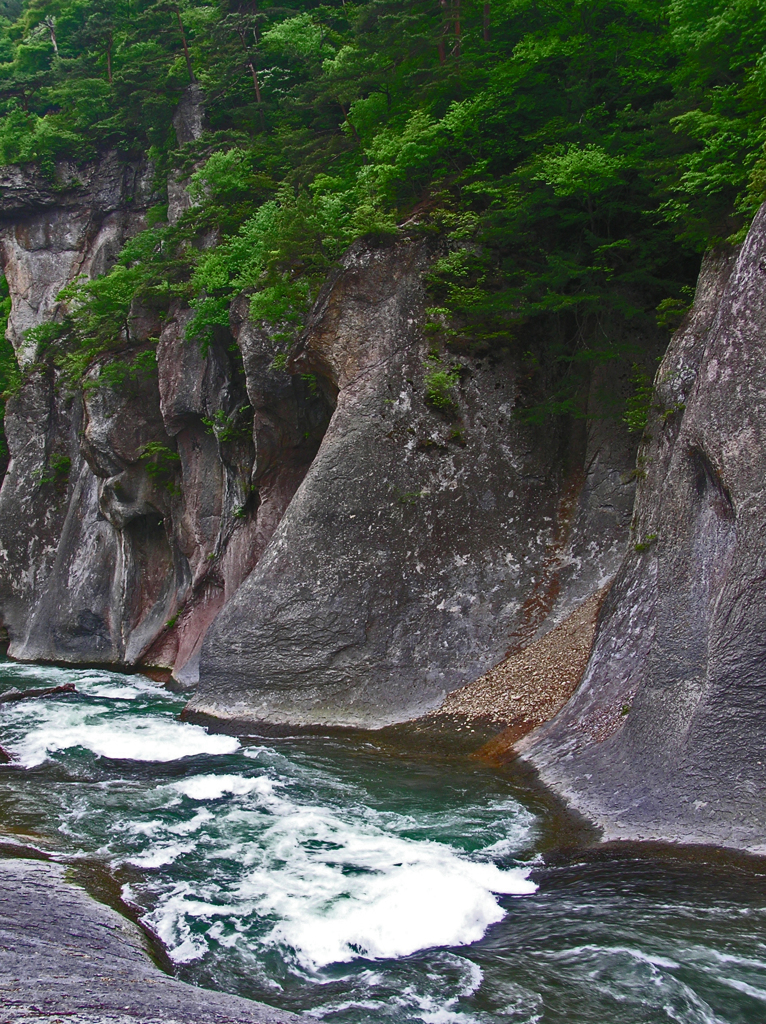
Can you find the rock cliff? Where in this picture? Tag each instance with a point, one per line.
(361, 551)
(322, 544)
(422, 542)
(665, 736)
(131, 510)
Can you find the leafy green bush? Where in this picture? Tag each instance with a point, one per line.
(639, 403)
(124, 376)
(440, 385)
(160, 463)
(227, 427)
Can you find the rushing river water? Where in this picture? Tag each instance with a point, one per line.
(359, 885)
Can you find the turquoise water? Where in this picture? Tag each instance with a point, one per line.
(356, 884)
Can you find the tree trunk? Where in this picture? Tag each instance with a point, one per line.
(254, 73)
(192, 79)
(350, 124)
(445, 26)
(51, 26)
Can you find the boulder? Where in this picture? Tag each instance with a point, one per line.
(65, 956)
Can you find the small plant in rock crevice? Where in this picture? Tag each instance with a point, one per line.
(160, 462)
(439, 386)
(57, 472)
(639, 403)
(227, 427)
(646, 543)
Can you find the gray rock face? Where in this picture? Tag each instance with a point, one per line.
(52, 232)
(421, 543)
(666, 735)
(49, 514)
(360, 574)
(65, 956)
(129, 514)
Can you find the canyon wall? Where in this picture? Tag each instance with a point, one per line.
(360, 551)
(423, 541)
(666, 735)
(134, 503)
(320, 544)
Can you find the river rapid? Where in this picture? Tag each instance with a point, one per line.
(357, 884)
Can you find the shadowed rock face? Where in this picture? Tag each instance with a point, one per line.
(666, 736)
(50, 520)
(420, 544)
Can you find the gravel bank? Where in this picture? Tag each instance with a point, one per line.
(530, 687)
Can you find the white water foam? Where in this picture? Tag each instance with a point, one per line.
(139, 686)
(63, 726)
(95, 682)
(437, 899)
(281, 856)
(339, 886)
(213, 787)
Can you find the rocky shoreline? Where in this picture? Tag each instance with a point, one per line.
(65, 956)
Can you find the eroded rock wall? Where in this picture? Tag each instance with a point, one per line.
(665, 737)
(422, 542)
(50, 233)
(132, 510)
(350, 574)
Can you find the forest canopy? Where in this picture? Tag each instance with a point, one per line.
(573, 158)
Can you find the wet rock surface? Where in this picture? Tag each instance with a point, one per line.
(63, 956)
(665, 736)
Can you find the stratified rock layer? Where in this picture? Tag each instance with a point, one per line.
(666, 736)
(422, 541)
(63, 956)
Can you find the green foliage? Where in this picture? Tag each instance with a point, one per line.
(125, 376)
(227, 427)
(440, 385)
(671, 312)
(56, 472)
(10, 378)
(160, 463)
(98, 318)
(574, 164)
(640, 401)
(310, 380)
(646, 544)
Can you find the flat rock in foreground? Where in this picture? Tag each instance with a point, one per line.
(63, 956)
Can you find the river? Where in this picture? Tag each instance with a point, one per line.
(362, 883)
